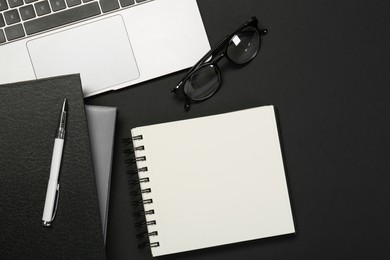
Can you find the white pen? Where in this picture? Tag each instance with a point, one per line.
(53, 186)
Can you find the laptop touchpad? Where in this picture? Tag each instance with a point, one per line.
(100, 51)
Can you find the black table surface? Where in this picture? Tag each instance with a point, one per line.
(325, 66)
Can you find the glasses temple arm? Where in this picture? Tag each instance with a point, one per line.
(187, 104)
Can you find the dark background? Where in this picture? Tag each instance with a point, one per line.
(325, 65)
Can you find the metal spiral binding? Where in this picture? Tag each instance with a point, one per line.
(147, 234)
(143, 169)
(135, 160)
(140, 202)
(138, 181)
(132, 150)
(145, 223)
(150, 245)
(140, 192)
(143, 213)
(137, 193)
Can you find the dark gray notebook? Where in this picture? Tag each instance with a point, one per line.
(101, 126)
(28, 120)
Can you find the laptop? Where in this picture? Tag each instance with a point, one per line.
(111, 43)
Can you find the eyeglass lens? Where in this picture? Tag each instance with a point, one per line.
(244, 46)
(203, 82)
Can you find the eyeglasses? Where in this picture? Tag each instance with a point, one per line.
(204, 79)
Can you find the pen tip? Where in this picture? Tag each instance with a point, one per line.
(65, 104)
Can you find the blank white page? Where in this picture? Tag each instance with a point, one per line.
(215, 180)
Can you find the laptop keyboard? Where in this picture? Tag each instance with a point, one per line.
(23, 18)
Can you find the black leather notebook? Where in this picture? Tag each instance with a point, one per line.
(29, 114)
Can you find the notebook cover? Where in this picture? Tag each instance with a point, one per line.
(29, 114)
(213, 181)
(101, 125)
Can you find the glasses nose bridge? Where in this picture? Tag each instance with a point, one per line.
(215, 60)
(218, 58)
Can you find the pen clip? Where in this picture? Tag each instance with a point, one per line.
(56, 203)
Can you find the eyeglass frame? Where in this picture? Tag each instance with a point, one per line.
(208, 59)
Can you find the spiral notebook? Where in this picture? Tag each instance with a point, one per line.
(212, 181)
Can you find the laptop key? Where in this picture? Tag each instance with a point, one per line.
(57, 5)
(109, 5)
(14, 32)
(2, 36)
(62, 18)
(73, 2)
(15, 3)
(42, 8)
(27, 12)
(3, 5)
(2, 22)
(126, 2)
(29, 1)
(12, 16)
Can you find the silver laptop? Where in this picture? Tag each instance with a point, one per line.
(111, 43)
